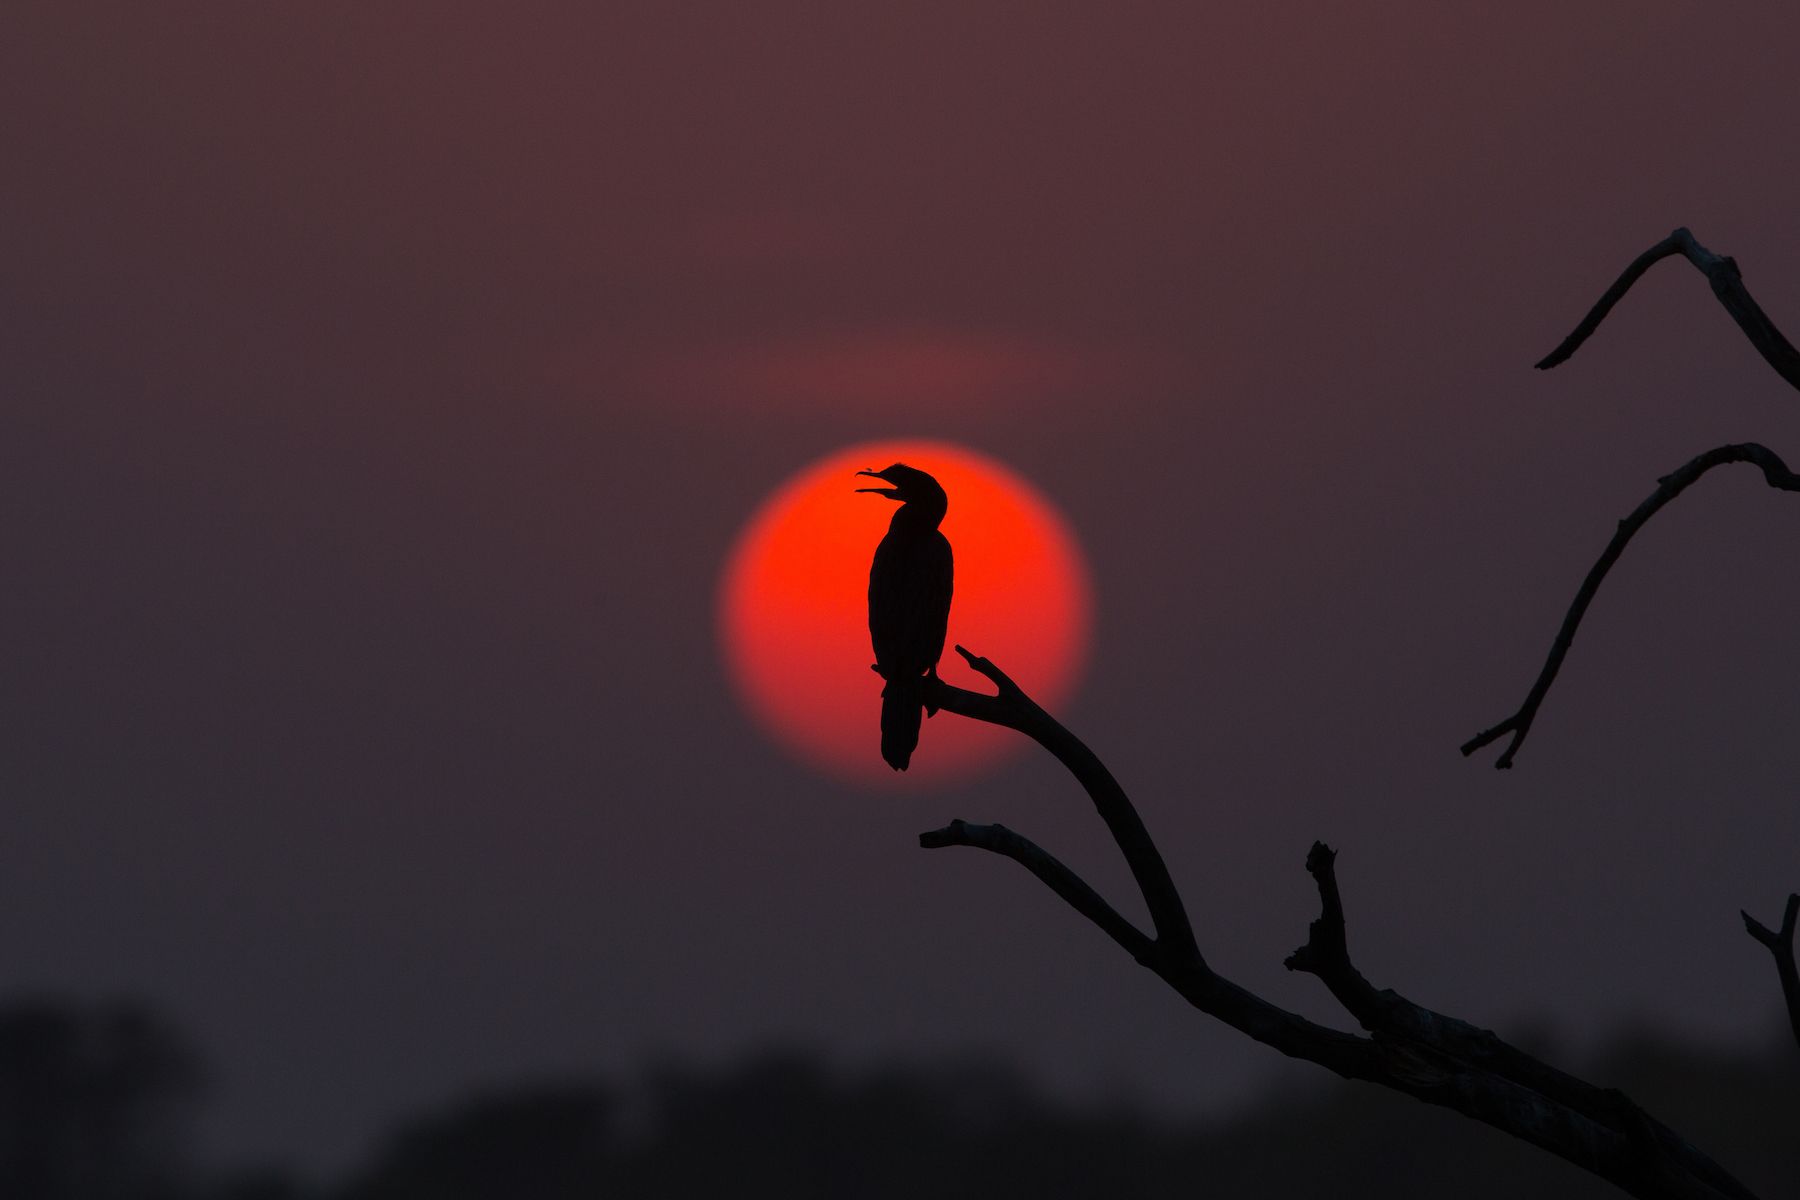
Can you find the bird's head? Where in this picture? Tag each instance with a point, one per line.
(910, 484)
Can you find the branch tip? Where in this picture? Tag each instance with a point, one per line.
(1485, 737)
(1757, 929)
(1781, 947)
(953, 834)
(985, 667)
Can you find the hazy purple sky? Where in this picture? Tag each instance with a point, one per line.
(381, 387)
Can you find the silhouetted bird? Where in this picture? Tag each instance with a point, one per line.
(909, 604)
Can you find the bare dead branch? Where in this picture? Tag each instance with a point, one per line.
(1775, 473)
(1431, 1057)
(1781, 945)
(1012, 708)
(1727, 284)
(1074, 890)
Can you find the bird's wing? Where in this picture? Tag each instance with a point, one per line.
(940, 579)
(909, 602)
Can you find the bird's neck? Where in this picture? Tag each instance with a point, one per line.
(918, 515)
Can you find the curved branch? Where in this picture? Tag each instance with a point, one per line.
(1781, 945)
(1775, 473)
(1431, 1057)
(1727, 284)
(1074, 890)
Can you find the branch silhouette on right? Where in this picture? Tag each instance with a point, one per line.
(1410, 1049)
(1777, 351)
(1728, 285)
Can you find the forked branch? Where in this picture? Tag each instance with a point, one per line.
(1011, 707)
(1781, 945)
(1775, 474)
(1406, 1047)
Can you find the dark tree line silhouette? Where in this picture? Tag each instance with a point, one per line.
(1404, 1046)
(93, 1103)
(127, 1089)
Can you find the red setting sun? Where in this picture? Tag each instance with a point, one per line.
(793, 613)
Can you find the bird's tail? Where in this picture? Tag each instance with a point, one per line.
(902, 711)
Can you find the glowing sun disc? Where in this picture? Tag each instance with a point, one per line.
(793, 615)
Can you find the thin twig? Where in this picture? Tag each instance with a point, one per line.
(1074, 890)
(1727, 284)
(1775, 473)
(1781, 945)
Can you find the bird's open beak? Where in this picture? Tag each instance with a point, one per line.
(890, 493)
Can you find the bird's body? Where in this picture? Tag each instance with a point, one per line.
(910, 583)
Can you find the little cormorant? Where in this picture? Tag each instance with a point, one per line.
(909, 604)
